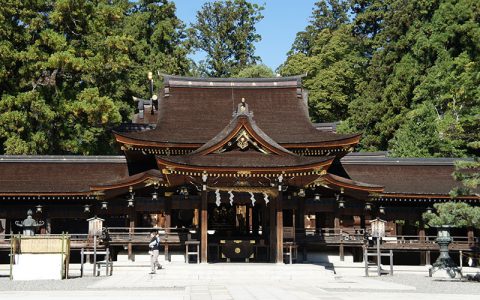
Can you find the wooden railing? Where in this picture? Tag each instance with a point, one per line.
(359, 236)
(141, 235)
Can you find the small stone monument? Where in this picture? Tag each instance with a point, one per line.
(29, 224)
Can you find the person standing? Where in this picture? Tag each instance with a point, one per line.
(154, 247)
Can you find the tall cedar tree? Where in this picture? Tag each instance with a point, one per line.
(421, 52)
(331, 57)
(225, 31)
(392, 69)
(68, 69)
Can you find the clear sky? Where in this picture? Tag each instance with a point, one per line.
(282, 20)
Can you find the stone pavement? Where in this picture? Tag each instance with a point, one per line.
(240, 281)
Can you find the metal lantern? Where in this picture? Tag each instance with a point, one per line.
(39, 208)
(381, 210)
(131, 201)
(301, 193)
(368, 206)
(104, 205)
(86, 208)
(316, 197)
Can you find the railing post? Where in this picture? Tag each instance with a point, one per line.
(81, 262)
(94, 254)
(365, 259)
(391, 262)
(379, 258)
(460, 257)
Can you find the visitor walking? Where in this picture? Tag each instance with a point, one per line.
(154, 247)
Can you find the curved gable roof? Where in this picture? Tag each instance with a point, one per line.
(193, 111)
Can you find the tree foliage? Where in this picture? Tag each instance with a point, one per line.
(68, 69)
(225, 31)
(255, 71)
(457, 214)
(331, 59)
(399, 69)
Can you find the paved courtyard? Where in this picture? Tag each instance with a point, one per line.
(241, 281)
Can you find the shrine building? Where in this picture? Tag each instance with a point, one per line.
(238, 166)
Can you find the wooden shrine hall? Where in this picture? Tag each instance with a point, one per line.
(235, 164)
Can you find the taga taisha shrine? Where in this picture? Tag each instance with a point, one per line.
(236, 169)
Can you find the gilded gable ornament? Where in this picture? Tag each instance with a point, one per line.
(242, 143)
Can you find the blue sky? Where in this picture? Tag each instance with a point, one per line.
(282, 20)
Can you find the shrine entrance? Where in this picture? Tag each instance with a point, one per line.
(238, 232)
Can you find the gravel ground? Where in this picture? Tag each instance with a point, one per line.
(42, 285)
(425, 284)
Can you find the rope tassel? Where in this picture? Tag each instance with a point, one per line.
(265, 197)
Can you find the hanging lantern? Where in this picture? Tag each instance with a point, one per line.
(86, 208)
(368, 206)
(381, 210)
(301, 193)
(39, 208)
(104, 205)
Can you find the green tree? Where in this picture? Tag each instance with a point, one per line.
(225, 31)
(468, 172)
(68, 69)
(423, 135)
(457, 214)
(332, 61)
(326, 14)
(255, 71)
(419, 51)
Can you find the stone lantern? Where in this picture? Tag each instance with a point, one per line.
(444, 262)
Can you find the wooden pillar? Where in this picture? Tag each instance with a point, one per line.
(195, 218)
(272, 234)
(470, 236)
(279, 216)
(338, 230)
(131, 231)
(421, 237)
(300, 213)
(168, 212)
(204, 227)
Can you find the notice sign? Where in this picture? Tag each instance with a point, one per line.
(3, 226)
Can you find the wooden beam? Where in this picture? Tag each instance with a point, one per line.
(204, 227)
(279, 214)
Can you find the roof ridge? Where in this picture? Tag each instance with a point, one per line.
(168, 77)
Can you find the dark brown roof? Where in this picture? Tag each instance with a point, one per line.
(194, 114)
(37, 175)
(248, 159)
(242, 119)
(403, 175)
(352, 184)
(129, 181)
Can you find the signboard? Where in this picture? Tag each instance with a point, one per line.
(378, 227)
